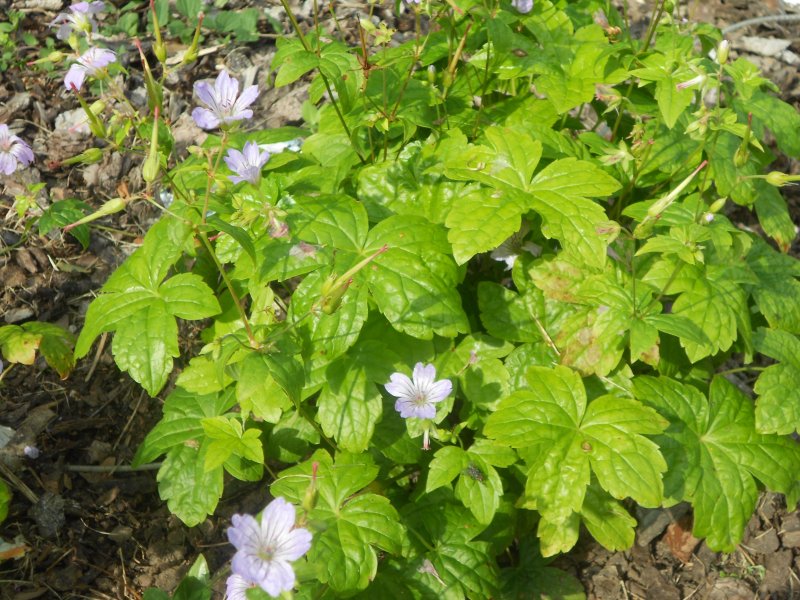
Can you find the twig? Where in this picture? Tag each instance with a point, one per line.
(130, 420)
(19, 484)
(100, 346)
(760, 21)
(112, 468)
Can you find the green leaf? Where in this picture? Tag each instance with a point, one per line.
(292, 61)
(773, 113)
(777, 290)
(414, 281)
(188, 297)
(714, 455)
(483, 219)
(778, 386)
(506, 314)
(507, 164)
(672, 101)
(145, 344)
(19, 344)
(62, 213)
(191, 492)
(570, 439)
(532, 578)
(607, 521)
(347, 563)
(560, 192)
(183, 413)
(558, 534)
(337, 221)
(5, 500)
(349, 405)
(479, 487)
(446, 465)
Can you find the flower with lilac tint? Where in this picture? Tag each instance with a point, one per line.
(523, 6)
(222, 106)
(246, 164)
(264, 550)
(416, 397)
(89, 63)
(237, 587)
(13, 152)
(78, 19)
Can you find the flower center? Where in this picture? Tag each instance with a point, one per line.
(267, 554)
(420, 399)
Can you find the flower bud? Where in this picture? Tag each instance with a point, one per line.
(432, 74)
(779, 179)
(332, 294)
(53, 57)
(717, 205)
(741, 156)
(191, 53)
(114, 205)
(97, 107)
(87, 157)
(159, 49)
(151, 164)
(723, 51)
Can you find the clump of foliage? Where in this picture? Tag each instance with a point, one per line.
(598, 371)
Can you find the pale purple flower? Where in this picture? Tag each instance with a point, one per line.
(510, 249)
(13, 152)
(417, 397)
(264, 550)
(237, 587)
(222, 106)
(246, 164)
(523, 6)
(78, 19)
(89, 63)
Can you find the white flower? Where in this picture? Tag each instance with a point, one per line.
(510, 249)
(264, 550)
(417, 397)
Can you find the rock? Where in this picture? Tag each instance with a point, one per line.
(49, 514)
(653, 522)
(764, 543)
(763, 46)
(776, 579)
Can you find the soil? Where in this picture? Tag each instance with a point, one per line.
(81, 528)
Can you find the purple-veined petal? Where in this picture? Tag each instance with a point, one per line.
(440, 390)
(7, 164)
(205, 118)
(245, 529)
(74, 77)
(296, 544)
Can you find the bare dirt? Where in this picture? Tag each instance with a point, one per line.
(79, 528)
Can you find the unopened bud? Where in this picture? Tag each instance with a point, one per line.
(191, 53)
(114, 205)
(723, 51)
(53, 57)
(87, 157)
(431, 74)
(159, 49)
(741, 156)
(332, 294)
(779, 179)
(717, 205)
(310, 496)
(151, 165)
(97, 107)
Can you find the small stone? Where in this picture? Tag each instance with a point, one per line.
(790, 539)
(49, 514)
(764, 543)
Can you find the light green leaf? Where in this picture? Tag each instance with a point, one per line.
(558, 534)
(337, 221)
(188, 297)
(672, 101)
(107, 311)
(5, 500)
(560, 192)
(607, 521)
(191, 492)
(479, 487)
(778, 290)
(414, 281)
(347, 562)
(447, 463)
(778, 386)
(377, 521)
(145, 344)
(483, 219)
(714, 453)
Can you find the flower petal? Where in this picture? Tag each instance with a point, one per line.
(296, 543)
(279, 578)
(277, 520)
(424, 375)
(205, 118)
(75, 76)
(400, 386)
(245, 533)
(237, 587)
(8, 164)
(439, 391)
